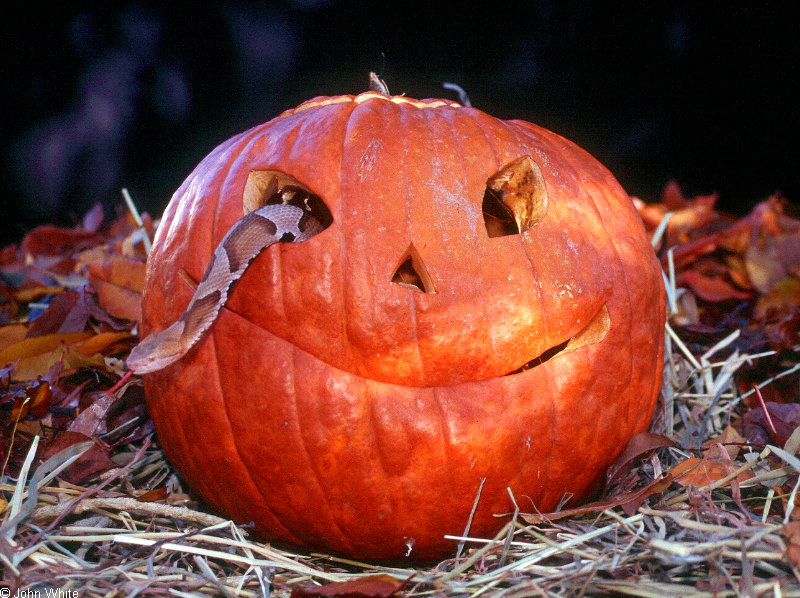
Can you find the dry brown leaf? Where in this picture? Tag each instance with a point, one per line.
(122, 272)
(695, 471)
(94, 460)
(630, 501)
(710, 288)
(791, 531)
(638, 447)
(36, 402)
(119, 283)
(11, 334)
(57, 241)
(780, 301)
(66, 313)
(371, 586)
(99, 342)
(154, 495)
(727, 445)
(92, 420)
(40, 345)
(29, 368)
(33, 293)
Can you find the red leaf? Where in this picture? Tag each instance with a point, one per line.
(785, 417)
(94, 460)
(57, 241)
(64, 314)
(119, 285)
(638, 447)
(372, 586)
(709, 288)
(35, 403)
(792, 533)
(630, 501)
(702, 472)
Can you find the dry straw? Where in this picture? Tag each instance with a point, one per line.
(727, 538)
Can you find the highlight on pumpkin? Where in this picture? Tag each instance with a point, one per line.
(412, 273)
(272, 187)
(594, 332)
(515, 198)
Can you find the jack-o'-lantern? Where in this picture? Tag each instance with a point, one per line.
(481, 311)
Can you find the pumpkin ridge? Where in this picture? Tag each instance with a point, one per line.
(620, 267)
(344, 260)
(631, 322)
(514, 133)
(473, 114)
(458, 140)
(236, 449)
(309, 462)
(626, 321)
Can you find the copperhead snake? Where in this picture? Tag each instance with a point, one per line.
(246, 239)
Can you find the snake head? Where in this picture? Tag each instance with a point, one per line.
(158, 350)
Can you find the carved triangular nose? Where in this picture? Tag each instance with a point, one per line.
(412, 273)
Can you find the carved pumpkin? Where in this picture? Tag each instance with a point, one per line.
(483, 305)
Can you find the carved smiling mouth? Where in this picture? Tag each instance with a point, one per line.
(594, 332)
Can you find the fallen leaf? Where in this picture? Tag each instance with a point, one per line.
(119, 284)
(57, 241)
(791, 532)
(29, 368)
(99, 342)
(638, 447)
(36, 402)
(33, 293)
(709, 288)
(11, 334)
(371, 586)
(95, 459)
(630, 501)
(728, 444)
(64, 314)
(91, 421)
(40, 345)
(93, 219)
(153, 495)
(695, 471)
(780, 301)
(785, 417)
(122, 272)
(8, 305)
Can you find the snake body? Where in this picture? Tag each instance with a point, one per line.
(251, 235)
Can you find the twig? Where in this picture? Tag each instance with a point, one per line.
(137, 219)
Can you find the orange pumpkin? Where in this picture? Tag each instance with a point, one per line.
(483, 306)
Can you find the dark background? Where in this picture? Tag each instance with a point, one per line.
(135, 94)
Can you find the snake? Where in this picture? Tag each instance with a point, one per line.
(246, 239)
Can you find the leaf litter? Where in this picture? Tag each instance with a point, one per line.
(704, 504)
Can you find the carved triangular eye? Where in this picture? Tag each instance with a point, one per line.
(265, 187)
(515, 198)
(412, 273)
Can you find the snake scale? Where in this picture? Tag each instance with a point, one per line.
(251, 235)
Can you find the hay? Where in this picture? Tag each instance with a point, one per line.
(695, 541)
(736, 535)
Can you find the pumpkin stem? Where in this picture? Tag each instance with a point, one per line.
(378, 84)
(462, 95)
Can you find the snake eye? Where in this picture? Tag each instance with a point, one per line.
(265, 187)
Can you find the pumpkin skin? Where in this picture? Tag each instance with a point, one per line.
(342, 412)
